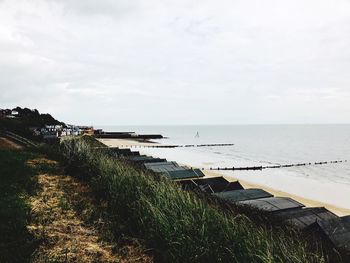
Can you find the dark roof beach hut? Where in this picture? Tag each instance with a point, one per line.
(162, 167)
(272, 204)
(145, 159)
(336, 231)
(243, 194)
(210, 185)
(305, 217)
(124, 152)
(184, 174)
(173, 171)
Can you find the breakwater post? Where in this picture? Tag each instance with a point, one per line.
(275, 166)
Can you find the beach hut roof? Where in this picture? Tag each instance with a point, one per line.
(336, 230)
(161, 167)
(184, 174)
(272, 204)
(242, 195)
(209, 180)
(145, 159)
(124, 152)
(304, 217)
(210, 185)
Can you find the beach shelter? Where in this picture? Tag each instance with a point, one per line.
(124, 152)
(184, 174)
(336, 231)
(243, 194)
(305, 217)
(173, 171)
(145, 159)
(210, 185)
(161, 167)
(272, 204)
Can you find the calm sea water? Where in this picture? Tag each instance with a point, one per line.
(264, 145)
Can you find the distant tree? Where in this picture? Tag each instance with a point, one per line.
(26, 119)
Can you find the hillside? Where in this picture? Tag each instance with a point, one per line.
(22, 120)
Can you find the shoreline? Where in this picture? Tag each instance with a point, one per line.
(125, 142)
(340, 211)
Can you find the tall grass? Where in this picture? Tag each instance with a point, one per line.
(177, 225)
(17, 182)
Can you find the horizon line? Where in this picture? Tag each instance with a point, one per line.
(226, 124)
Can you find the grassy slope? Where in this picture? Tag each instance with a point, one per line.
(178, 225)
(47, 216)
(16, 184)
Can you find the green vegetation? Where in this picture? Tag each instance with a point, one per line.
(177, 225)
(48, 216)
(26, 119)
(17, 181)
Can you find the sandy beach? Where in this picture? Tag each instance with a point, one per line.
(125, 143)
(340, 211)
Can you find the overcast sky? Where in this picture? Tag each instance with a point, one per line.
(177, 62)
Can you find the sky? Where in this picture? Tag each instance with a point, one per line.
(158, 62)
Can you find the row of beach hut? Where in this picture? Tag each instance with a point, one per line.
(334, 229)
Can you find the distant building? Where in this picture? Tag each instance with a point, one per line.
(54, 127)
(56, 131)
(98, 131)
(14, 113)
(87, 130)
(10, 114)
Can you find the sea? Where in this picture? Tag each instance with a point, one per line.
(265, 145)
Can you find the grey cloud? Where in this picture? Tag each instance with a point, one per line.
(187, 62)
(113, 8)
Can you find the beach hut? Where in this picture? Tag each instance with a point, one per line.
(145, 159)
(184, 174)
(172, 170)
(272, 204)
(305, 217)
(210, 185)
(160, 167)
(243, 194)
(124, 152)
(336, 231)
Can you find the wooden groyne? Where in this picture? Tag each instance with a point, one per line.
(127, 135)
(274, 166)
(178, 145)
(236, 168)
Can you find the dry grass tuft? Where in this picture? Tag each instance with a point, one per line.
(66, 235)
(41, 161)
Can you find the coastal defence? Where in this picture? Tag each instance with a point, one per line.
(126, 135)
(153, 145)
(179, 145)
(276, 166)
(287, 210)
